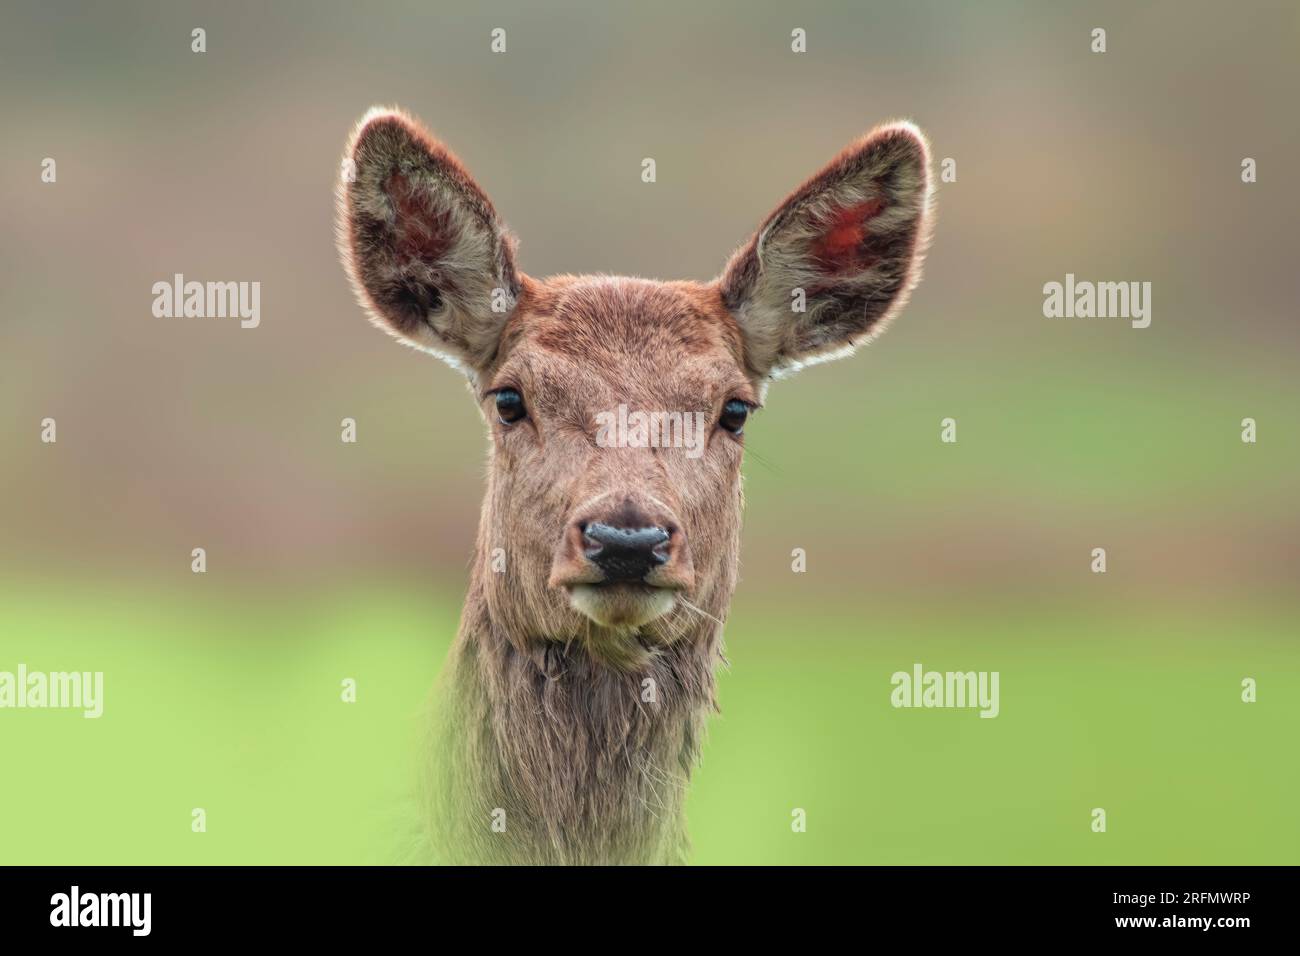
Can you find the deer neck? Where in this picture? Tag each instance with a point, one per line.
(548, 754)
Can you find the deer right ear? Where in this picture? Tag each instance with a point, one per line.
(833, 263)
(427, 256)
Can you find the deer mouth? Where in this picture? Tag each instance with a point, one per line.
(622, 605)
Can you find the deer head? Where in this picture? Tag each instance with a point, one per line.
(621, 541)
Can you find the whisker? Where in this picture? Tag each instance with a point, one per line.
(686, 603)
(765, 462)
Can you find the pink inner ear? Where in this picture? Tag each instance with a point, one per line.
(842, 247)
(421, 232)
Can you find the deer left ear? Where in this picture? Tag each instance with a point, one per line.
(422, 244)
(836, 261)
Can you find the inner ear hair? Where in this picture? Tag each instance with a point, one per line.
(846, 246)
(422, 243)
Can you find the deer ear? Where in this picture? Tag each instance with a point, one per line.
(834, 262)
(427, 256)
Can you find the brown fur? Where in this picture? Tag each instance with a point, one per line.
(581, 735)
(884, 176)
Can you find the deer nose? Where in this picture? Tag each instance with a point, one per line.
(625, 554)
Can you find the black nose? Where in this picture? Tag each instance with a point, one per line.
(625, 554)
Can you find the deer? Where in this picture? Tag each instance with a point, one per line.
(571, 710)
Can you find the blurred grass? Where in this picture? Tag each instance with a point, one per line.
(1131, 710)
(231, 703)
(1108, 427)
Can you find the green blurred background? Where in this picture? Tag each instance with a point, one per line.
(329, 561)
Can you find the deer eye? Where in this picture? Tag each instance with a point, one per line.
(510, 406)
(734, 414)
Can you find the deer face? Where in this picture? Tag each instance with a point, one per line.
(617, 407)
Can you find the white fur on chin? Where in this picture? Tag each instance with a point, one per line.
(624, 609)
